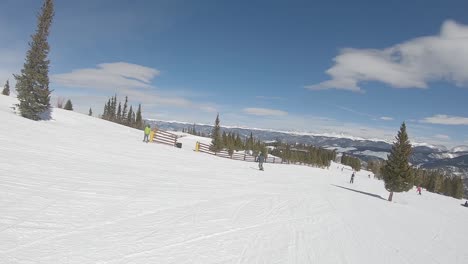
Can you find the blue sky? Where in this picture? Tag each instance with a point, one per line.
(352, 67)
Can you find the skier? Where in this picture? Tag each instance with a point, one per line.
(466, 203)
(261, 159)
(352, 178)
(418, 189)
(147, 132)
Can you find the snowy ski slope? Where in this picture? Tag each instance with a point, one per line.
(78, 190)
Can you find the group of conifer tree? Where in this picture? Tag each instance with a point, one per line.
(192, 131)
(353, 162)
(435, 181)
(302, 153)
(400, 176)
(233, 142)
(122, 114)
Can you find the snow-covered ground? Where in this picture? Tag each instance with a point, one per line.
(78, 189)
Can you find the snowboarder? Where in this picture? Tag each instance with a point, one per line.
(466, 203)
(418, 189)
(352, 178)
(261, 159)
(147, 132)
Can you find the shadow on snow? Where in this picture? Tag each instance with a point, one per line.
(361, 192)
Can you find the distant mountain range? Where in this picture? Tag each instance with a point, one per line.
(428, 156)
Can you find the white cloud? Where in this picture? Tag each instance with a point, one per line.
(411, 64)
(442, 136)
(108, 76)
(446, 120)
(125, 79)
(386, 118)
(11, 62)
(264, 112)
(268, 97)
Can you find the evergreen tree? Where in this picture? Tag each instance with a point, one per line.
(124, 111)
(397, 172)
(119, 114)
(32, 84)
(216, 139)
(458, 187)
(113, 112)
(107, 110)
(90, 113)
(139, 119)
(129, 117)
(6, 88)
(68, 105)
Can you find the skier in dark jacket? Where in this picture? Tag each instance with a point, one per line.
(352, 178)
(261, 159)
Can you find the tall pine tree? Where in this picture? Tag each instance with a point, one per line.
(32, 84)
(129, 117)
(216, 139)
(397, 172)
(124, 111)
(139, 119)
(6, 88)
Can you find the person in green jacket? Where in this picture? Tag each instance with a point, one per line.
(147, 132)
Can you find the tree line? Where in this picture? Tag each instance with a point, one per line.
(122, 114)
(353, 162)
(299, 153)
(192, 131)
(302, 153)
(233, 142)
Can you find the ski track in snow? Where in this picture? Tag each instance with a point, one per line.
(82, 190)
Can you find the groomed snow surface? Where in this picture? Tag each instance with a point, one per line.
(78, 189)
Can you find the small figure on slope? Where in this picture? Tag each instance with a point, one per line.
(261, 159)
(147, 132)
(352, 178)
(418, 189)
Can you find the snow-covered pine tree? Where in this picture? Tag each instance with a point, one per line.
(32, 84)
(6, 88)
(397, 172)
(68, 105)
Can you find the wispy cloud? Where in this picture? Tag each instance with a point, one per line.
(386, 118)
(108, 76)
(126, 79)
(411, 64)
(347, 109)
(268, 97)
(442, 137)
(264, 112)
(446, 120)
